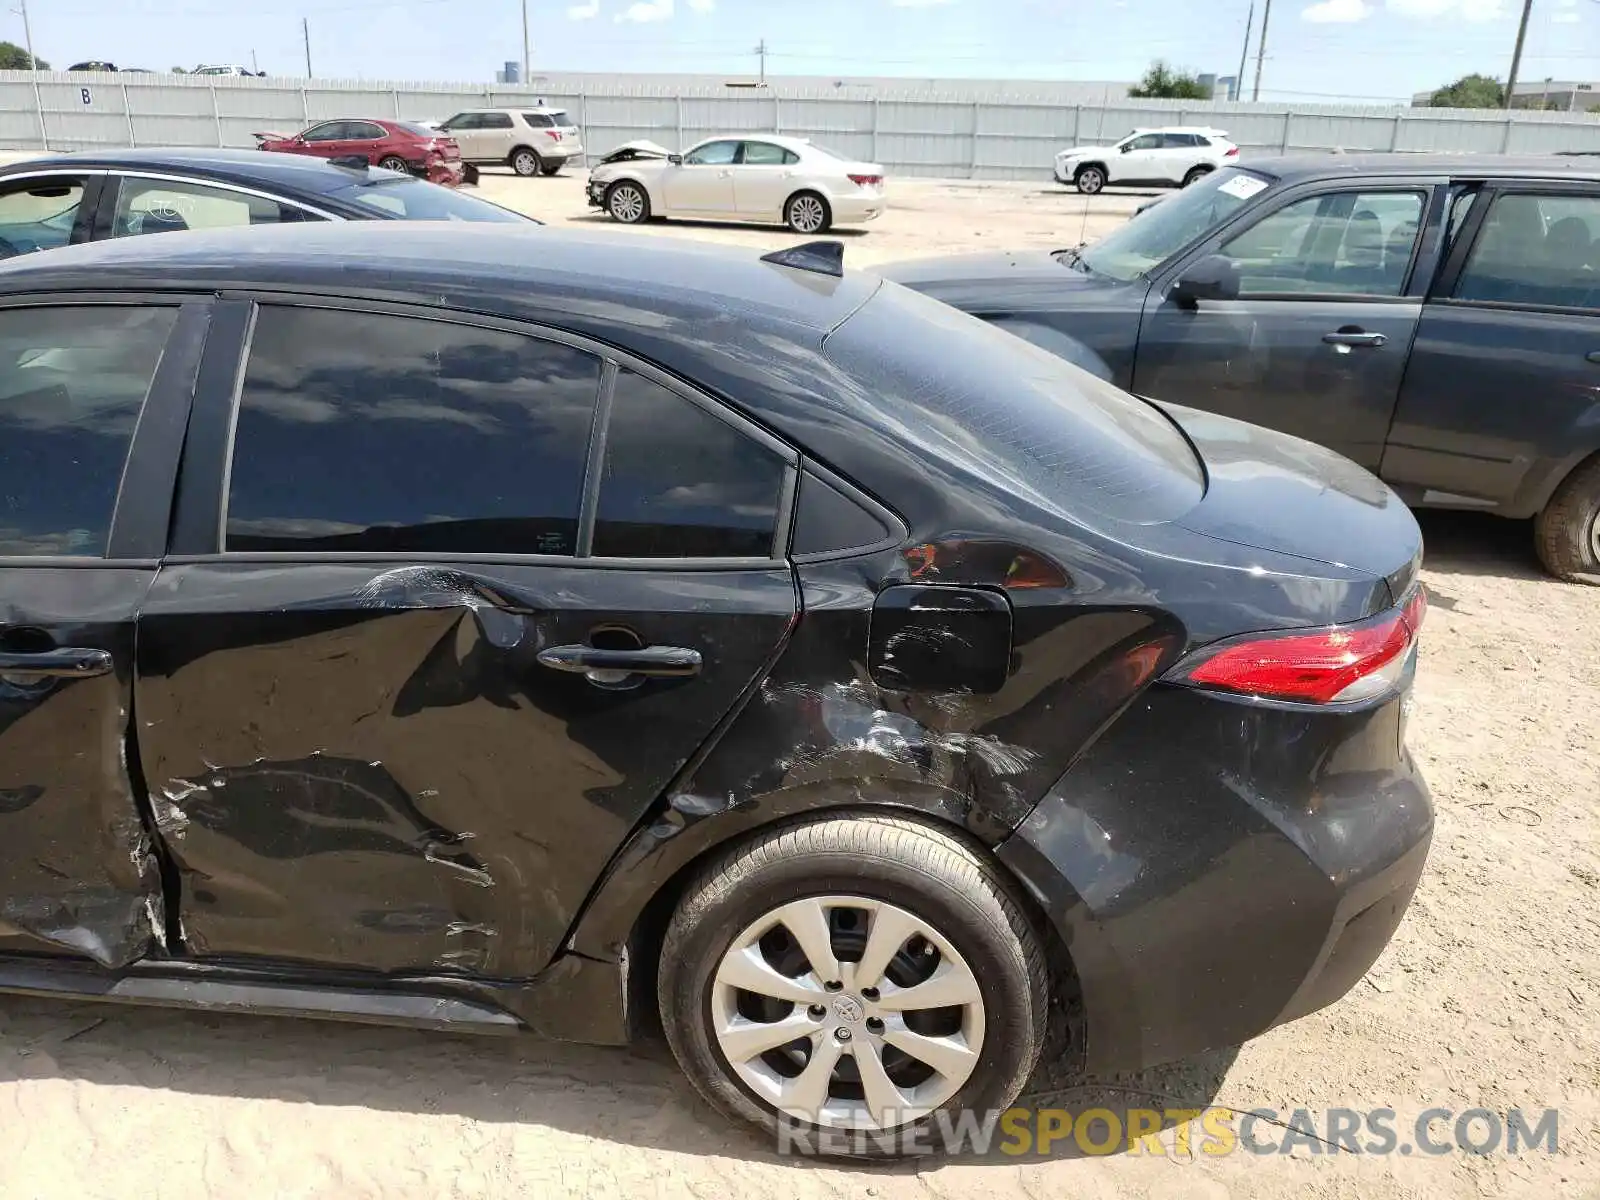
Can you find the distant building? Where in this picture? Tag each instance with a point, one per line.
(1554, 94)
(510, 73)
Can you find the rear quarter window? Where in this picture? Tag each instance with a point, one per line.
(1020, 418)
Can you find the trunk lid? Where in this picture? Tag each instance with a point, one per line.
(1272, 491)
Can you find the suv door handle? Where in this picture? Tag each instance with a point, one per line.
(657, 661)
(69, 662)
(1354, 337)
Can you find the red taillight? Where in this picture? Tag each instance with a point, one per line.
(866, 180)
(553, 134)
(1341, 665)
(1233, 152)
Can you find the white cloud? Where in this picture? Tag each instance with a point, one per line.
(584, 11)
(647, 10)
(1466, 10)
(1338, 12)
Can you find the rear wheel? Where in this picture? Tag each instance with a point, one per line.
(394, 162)
(525, 162)
(1194, 174)
(1091, 181)
(807, 212)
(627, 202)
(1567, 532)
(469, 174)
(850, 980)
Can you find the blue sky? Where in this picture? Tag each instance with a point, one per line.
(1355, 49)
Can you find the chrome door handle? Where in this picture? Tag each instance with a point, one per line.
(1354, 337)
(671, 662)
(68, 662)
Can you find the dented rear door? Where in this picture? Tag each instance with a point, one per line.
(94, 394)
(448, 608)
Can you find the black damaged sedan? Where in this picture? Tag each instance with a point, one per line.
(497, 631)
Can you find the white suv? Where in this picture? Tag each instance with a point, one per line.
(528, 140)
(1171, 157)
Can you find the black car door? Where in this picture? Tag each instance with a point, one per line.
(1316, 343)
(1502, 397)
(93, 402)
(449, 605)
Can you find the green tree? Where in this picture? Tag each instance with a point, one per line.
(15, 58)
(178, 71)
(1470, 91)
(1161, 82)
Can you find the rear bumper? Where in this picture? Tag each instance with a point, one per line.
(1216, 869)
(448, 174)
(857, 210)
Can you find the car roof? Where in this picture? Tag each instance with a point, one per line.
(515, 108)
(1208, 129)
(1299, 167)
(755, 135)
(511, 271)
(288, 172)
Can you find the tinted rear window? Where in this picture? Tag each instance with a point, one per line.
(414, 200)
(1022, 419)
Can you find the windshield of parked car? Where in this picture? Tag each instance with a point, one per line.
(1018, 417)
(1154, 236)
(413, 200)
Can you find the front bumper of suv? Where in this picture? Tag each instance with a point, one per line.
(1216, 868)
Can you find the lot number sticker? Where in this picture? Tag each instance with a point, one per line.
(1242, 186)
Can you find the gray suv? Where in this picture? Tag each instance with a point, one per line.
(1436, 319)
(531, 141)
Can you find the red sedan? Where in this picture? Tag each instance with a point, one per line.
(394, 145)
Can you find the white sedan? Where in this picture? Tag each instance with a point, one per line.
(764, 178)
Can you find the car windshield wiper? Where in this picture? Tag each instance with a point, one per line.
(1074, 258)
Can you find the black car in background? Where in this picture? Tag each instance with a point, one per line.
(1436, 319)
(458, 626)
(62, 199)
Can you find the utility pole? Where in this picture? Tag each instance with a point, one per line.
(525, 79)
(305, 31)
(254, 65)
(27, 36)
(1261, 49)
(761, 50)
(1516, 55)
(1244, 52)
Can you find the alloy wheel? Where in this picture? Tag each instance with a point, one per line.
(627, 204)
(807, 214)
(1091, 182)
(394, 163)
(1594, 538)
(525, 163)
(847, 1012)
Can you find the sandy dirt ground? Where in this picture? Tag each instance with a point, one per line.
(1487, 997)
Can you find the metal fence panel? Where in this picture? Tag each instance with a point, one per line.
(939, 129)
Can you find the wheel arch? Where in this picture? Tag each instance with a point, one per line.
(629, 912)
(1544, 480)
(637, 180)
(512, 153)
(1080, 168)
(807, 190)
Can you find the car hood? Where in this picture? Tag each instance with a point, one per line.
(629, 151)
(1074, 151)
(1276, 492)
(1017, 281)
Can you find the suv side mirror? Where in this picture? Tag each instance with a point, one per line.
(1212, 278)
(675, 159)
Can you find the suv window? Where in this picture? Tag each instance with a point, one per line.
(72, 382)
(497, 120)
(562, 120)
(1179, 141)
(462, 121)
(679, 482)
(765, 154)
(713, 154)
(1339, 242)
(1537, 250)
(162, 206)
(369, 432)
(538, 120)
(1148, 141)
(38, 214)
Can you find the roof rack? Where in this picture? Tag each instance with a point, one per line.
(820, 258)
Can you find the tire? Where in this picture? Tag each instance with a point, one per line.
(1091, 181)
(1567, 533)
(1195, 173)
(931, 887)
(553, 167)
(394, 162)
(469, 175)
(525, 162)
(807, 212)
(628, 202)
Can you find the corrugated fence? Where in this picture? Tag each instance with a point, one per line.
(912, 133)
